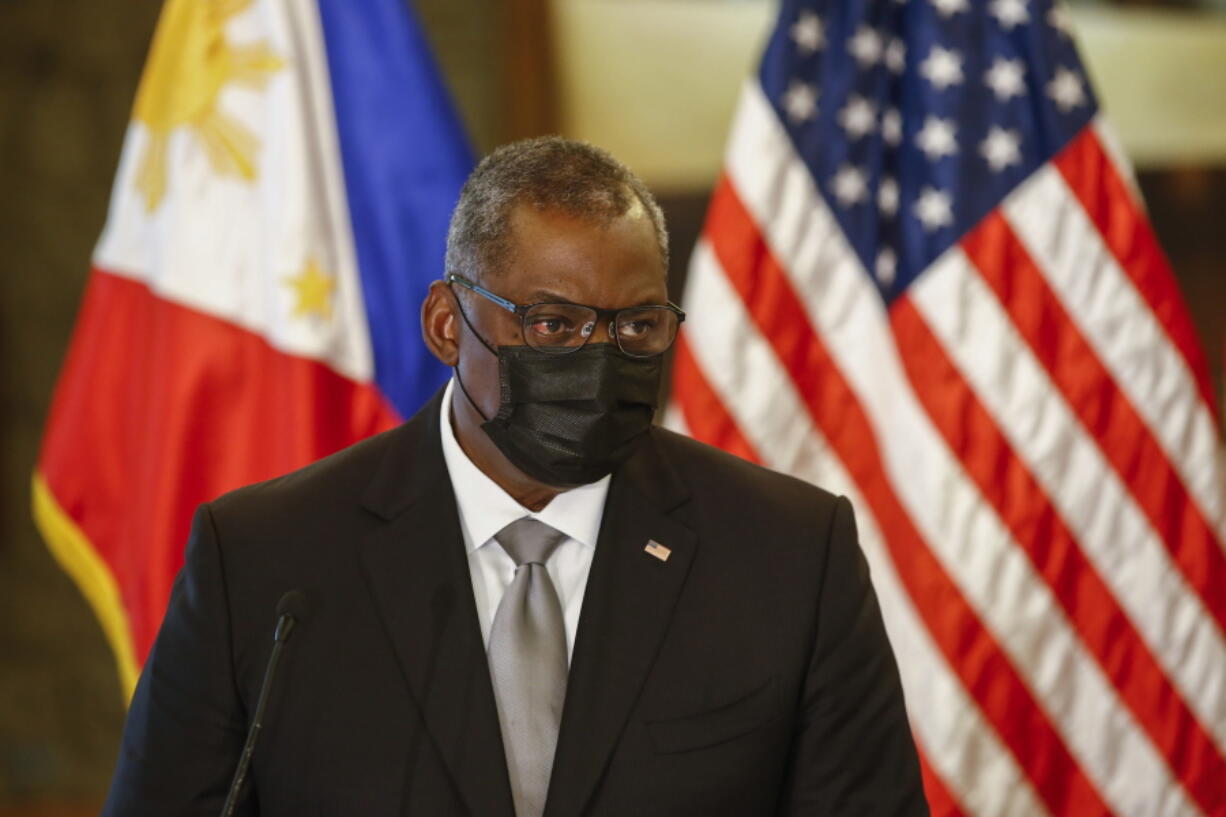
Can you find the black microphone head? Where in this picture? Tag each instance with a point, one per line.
(293, 603)
(292, 608)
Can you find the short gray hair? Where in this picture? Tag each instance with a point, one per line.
(548, 173)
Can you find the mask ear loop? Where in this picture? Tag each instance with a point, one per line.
(456, 368)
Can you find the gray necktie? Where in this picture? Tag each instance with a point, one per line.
(528, 665)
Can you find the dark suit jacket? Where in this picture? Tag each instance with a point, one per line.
(748, 674)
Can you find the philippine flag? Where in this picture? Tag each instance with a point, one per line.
(280, 207)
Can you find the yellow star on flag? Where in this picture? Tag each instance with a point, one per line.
(313, 288)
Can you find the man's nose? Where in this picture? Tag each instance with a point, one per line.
(602, 332)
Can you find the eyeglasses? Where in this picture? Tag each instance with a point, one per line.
(560, 328)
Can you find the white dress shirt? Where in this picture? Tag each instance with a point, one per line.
(486, 509)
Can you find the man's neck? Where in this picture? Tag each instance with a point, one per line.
(481, 451)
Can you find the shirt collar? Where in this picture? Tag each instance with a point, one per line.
(485, 508)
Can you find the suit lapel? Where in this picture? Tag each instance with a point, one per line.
(627, 607)
(417, 569)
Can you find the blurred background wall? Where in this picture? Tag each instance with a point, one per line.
(655, 81)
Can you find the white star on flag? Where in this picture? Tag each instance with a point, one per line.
(896, 55)
(1066, 90)
(1001, 148)
(937, 138)
(1009, 13)
(858, 117)
(865, 46)
(887, 265)
(934, 209)
(807, 32)
(1006, 78)
(942, 67)
(849, 185)
(948, 8)
(1058, 18)
(800, 101)
(891, 127)
(887, 196)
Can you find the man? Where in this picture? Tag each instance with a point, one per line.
(526, 600)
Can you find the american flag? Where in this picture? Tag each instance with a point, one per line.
(927, 281)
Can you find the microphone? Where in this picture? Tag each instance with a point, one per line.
(290, 609)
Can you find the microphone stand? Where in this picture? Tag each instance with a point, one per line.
(285, 626)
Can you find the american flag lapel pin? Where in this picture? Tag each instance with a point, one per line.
(658, 550)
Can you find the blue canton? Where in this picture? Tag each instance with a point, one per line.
(916, 118)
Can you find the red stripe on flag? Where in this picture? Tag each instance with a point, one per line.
(940, 802)
(1103, 408)
(1109, 202)
(969, 647)
(160, 408)
(704, 412)
(1040, 531)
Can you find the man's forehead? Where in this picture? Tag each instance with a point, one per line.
(553, 255)
(534, 232)
(561, 219)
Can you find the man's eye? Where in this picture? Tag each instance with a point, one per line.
(637, 328)
(549, 325)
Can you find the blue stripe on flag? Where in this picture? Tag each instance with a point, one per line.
(405, 156)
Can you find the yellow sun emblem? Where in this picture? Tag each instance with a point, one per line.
(189, 64)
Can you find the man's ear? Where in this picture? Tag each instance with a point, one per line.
(439, 324)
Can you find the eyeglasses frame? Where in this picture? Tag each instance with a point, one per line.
(601, 314)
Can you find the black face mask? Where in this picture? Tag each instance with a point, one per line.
(570, 419)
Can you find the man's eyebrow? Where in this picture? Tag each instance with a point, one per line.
(544, 296)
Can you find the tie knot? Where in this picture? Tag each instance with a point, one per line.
(529, 540)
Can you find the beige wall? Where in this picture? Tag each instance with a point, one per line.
(68, 70)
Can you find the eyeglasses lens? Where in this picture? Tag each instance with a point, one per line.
(558, 327)
(561, 328)
(646, 331)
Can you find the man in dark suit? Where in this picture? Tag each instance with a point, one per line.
(694, 635)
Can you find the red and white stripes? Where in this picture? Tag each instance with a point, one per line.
(1027, 438)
